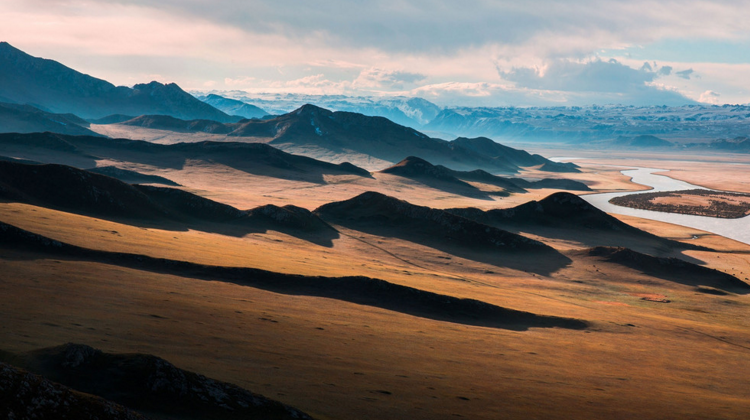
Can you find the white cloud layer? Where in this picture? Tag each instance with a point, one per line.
(478, 51)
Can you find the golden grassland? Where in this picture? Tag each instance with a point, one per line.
(339, 360)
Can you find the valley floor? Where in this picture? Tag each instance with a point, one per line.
(657, 347)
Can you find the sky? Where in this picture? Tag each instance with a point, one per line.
(467, 53)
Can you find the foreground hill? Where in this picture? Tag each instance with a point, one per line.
(53, 87)
(27, 119)
(24, 395)
(148, 384)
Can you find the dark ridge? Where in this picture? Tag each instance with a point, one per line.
(485, 177)
(381, 138)
(413, 166)
(24, 395)
(27, 119)
(438, 177)
(82, 192)
(373, 206)
(24, 161)
(560, 213)
(47, 140)
(132, 177)
(166, 122)
(152, 385)
(358, 290)
(551, 183)
(672, 269)
(190, 206)
(381, 215)
(568, 167)
(67, 188)
(505, 155)
(289, 216)
(111, 119)
(253, 158)
(420, 169)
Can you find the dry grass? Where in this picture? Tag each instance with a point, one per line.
(338, 360)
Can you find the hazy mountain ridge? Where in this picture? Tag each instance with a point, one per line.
(53, 87)
(688, 123)
(411, 112)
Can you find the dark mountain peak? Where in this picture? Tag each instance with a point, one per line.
(390, 212)
(414, 166)
(290, 216)
(564, 203)
(565, 206)
(310, 109)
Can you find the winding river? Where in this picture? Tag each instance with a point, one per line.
(737, 229)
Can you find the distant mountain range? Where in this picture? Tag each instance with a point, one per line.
(314, 131)
(233, 106)
(53, 87)
(410, 112)
(679, 124)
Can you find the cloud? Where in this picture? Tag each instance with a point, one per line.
(388, 79)
(384, 46)
(685, 74)
(709, 97)
(244, 81)
(603, 81)
(591, 76)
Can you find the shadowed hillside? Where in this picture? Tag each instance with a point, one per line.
(672, 269)
(150, 385)
(24, 395)
(78, 191)
(358, 290)
(254, 158)
(386, 216)
(440, 177)
(567, 216)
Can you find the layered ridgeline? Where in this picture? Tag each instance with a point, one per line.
(421, 170)
(319, 132)
(408, 111)
(53, 87)
(254, 158)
